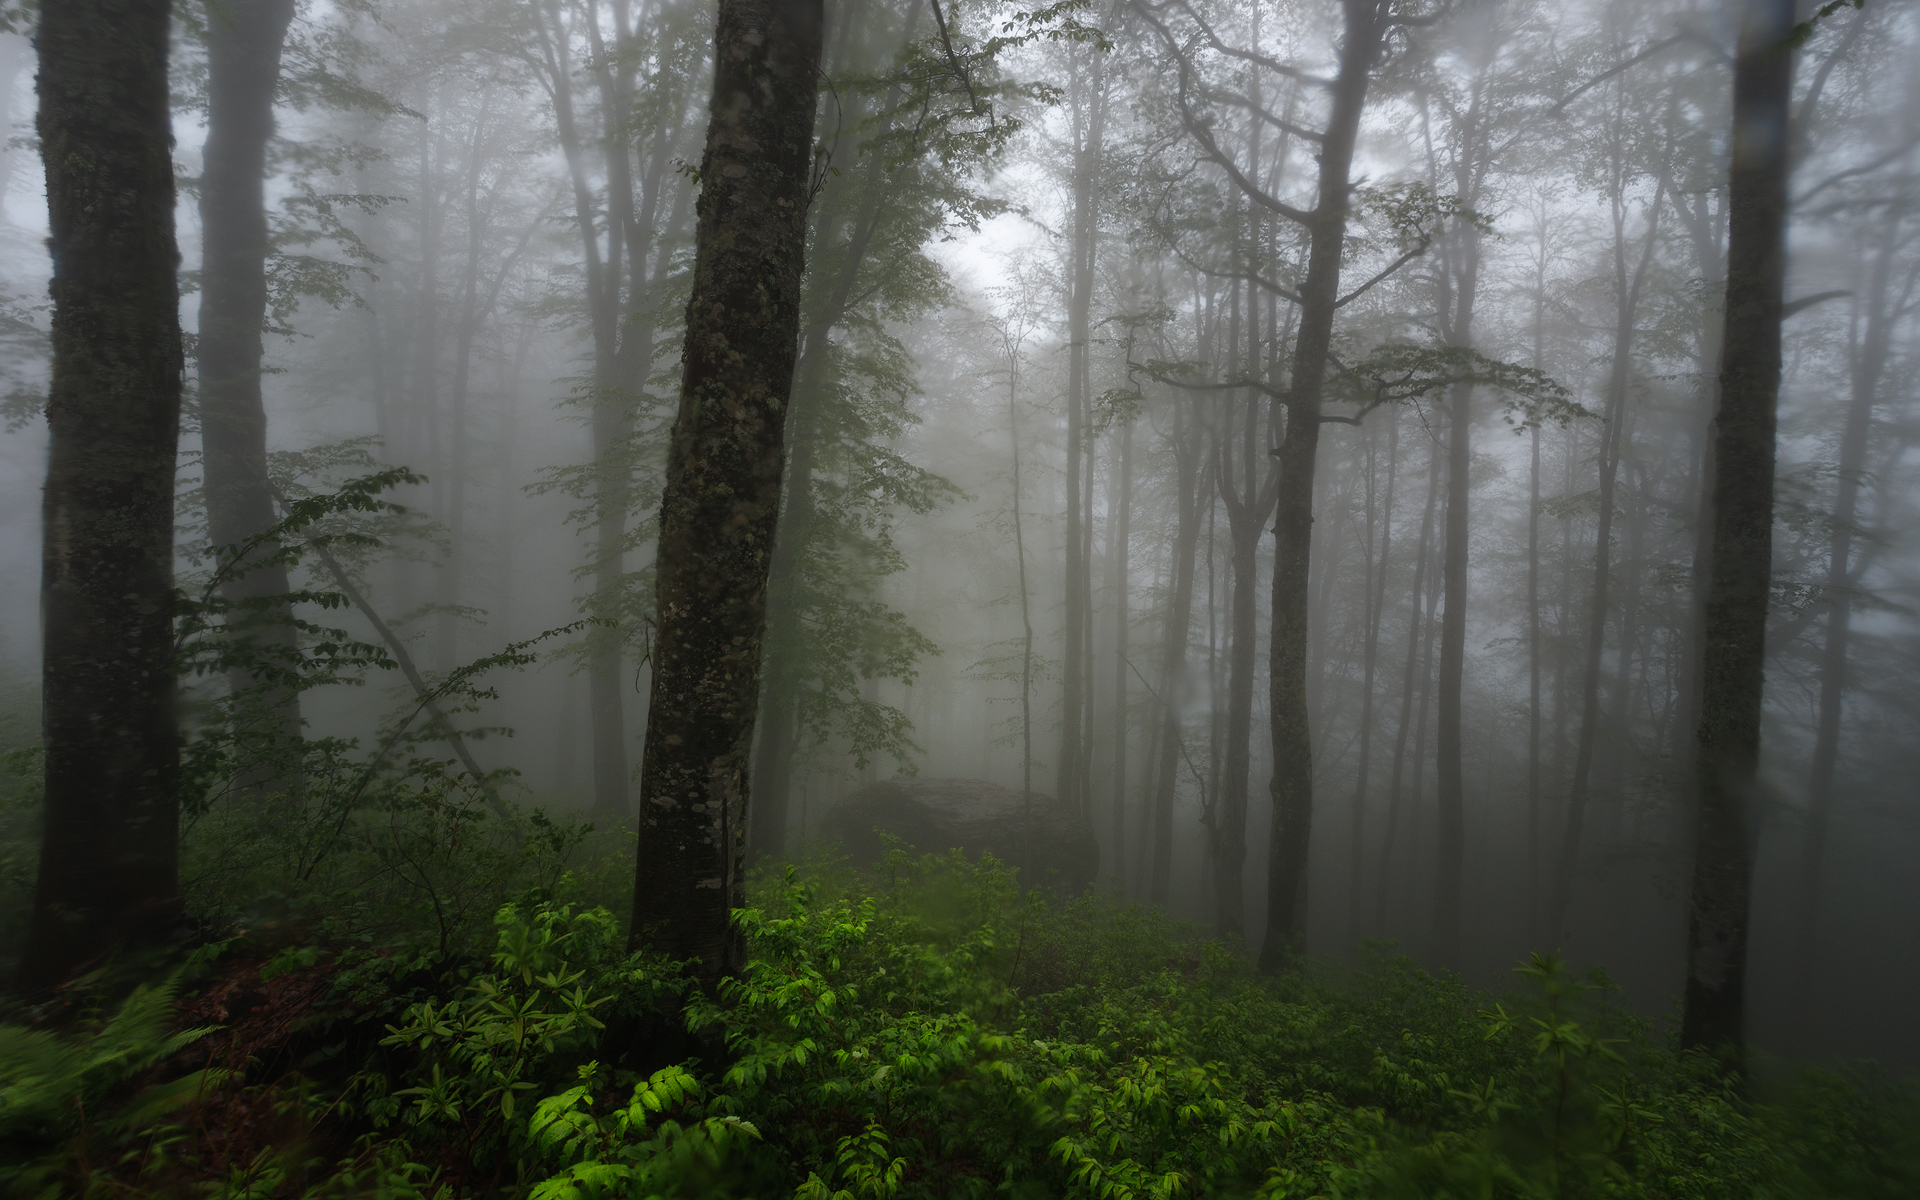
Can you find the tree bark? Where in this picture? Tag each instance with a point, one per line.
(721, 501)
(1366, 25)
(244, 41)
(109, 851)
(1732, 679)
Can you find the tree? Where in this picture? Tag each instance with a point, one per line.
(1741, 562)
(244, 41)
(110, 845)
(721, 503)
(636, 207)
(1367, 24)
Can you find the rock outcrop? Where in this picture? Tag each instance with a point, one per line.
(1041, 838)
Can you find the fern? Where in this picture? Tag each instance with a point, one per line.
(49, 1084)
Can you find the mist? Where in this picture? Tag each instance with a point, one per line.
(1426, 683)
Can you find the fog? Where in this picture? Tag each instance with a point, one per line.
(1045, 344)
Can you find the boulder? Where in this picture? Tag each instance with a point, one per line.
(1040, 837)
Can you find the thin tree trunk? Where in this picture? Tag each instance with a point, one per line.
(1376, 602)
(109, 848)
(1742, 558)
(721, 503)
(1870, 354)
(1070, 783)
(1121, 542)
(1627, 291)
(1416, 622)
(1449, 782)
(1173, 670)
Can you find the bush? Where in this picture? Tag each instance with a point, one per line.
(940, 1035)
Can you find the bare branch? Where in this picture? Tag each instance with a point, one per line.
(1863, 169)
(1560, 105)
(1248, 56)
(1419, 249)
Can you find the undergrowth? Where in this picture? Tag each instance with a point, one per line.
(934, 1033)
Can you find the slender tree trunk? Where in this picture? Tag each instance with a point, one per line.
(1627, 291)
(1376, 601)
(1366, 26)
(1533, 605)
(721, 502)
(1075, 725)
(1449, 782)
(1026, 601)
(244, 40)
(1417, 620)
(109, 850)
(1186, 449)
(1870, 353)
(1123, 513)
(1742, 559)
(1533, 685)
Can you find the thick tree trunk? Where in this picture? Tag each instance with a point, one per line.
(244, 40)
(721, 501)
(109, 851)
(1365, 30)
(1742, 561)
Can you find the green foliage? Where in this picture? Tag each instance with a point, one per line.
(938, 1034)
(84, 1090)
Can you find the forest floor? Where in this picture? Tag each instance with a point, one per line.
(932, 1032)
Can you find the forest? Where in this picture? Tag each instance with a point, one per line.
(878, 598)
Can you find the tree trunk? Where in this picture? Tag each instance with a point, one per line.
(1870, 354)
(1365, 31)
(1123, 511)
(1449, 783)
(721, 502)
(244, 41)
(1370, 657)
(1245, 519)
(1627, 286)
(109, 851)
(1417, 620)
(1171, 754)
(1742, 559)
(1070, 786)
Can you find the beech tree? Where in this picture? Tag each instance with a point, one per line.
(109, 857)
(244, 41)
(721, 503)
(1739, 570)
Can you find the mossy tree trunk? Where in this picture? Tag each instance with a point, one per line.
(110, 846)
(721, 502)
